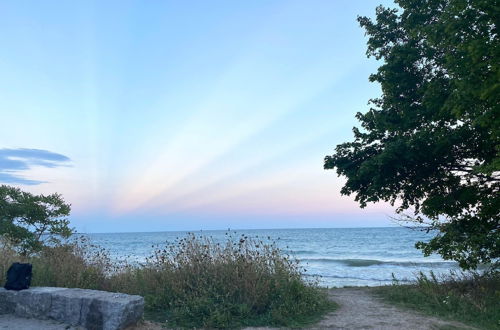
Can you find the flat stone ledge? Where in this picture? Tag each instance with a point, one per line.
(12, 322)
(90, 309)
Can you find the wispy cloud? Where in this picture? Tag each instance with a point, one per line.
(13, 161)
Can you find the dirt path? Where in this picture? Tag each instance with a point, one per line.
(360, 309)
(11, 322)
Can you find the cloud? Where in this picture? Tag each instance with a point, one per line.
(13, 161)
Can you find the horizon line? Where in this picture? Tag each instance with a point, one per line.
(241, 229)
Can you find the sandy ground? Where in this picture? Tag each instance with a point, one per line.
(359, 309)
(11, 322)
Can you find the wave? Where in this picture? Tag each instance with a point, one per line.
(297, 252)
(375, 262)
(352, 278)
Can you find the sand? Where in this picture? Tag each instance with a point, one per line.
(11, 322)
(360, 309)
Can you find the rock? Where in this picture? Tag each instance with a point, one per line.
(91, 309)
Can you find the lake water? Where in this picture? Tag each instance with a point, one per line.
(340, 256)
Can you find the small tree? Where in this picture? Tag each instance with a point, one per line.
(431, 142)
(31, 221)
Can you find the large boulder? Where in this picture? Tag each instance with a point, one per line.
(78, 307)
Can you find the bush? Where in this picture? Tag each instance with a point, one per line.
(77, 264)
(196, 281)
(471, 298)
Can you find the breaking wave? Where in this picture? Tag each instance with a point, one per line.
(374, 262)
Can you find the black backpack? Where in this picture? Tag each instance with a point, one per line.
(18, 276)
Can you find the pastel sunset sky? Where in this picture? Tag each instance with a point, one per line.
(185, 115)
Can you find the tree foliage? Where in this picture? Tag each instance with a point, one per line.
(31, 221)
(430, 143)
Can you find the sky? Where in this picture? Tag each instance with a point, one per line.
(185, 115)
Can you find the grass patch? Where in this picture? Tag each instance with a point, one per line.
(472, 298)
(193, 281)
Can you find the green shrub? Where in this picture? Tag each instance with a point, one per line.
(196, 281)
(471, 298)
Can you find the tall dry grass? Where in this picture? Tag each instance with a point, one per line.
(77, 264)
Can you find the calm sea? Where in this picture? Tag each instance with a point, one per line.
(340, 256)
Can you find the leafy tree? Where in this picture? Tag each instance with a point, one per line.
(31, 221)
(430, 143)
